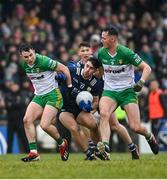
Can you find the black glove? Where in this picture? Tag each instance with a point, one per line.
(69, 91)
(138, 86)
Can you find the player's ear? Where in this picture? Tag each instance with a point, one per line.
(33, 50)
(20, 54)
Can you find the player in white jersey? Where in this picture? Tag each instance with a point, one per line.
(118, 63)
(47, 99)
(84, 53)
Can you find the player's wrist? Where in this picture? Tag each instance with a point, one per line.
(142, 81)
(69, 85)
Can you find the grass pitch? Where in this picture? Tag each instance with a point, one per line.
(51, 167)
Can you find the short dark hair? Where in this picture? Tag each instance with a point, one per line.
(94, 61)
(25, 47)
(84, 43)
(112, 30)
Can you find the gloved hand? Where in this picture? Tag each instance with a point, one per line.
(69, 90)
(85, 107)
(138, 86)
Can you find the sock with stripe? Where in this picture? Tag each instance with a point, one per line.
(59, 141)
(132, 146)
(33, 147)
(148, 136)
(107, 147)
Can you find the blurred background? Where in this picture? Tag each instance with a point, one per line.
(55, 28)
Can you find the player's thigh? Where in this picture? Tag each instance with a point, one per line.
(53, 101)
(107, 105)
(33, 112)
(87, 119)
(68, 121)
(133, 113)
(54, 98)
(49, 115)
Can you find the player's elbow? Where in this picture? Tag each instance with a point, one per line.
(148, 69)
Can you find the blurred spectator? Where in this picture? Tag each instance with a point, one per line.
(15, 106)
(32, 19)
(2, 107)
(95, 43)
(155, 107)
(163, 67)
(146, 55)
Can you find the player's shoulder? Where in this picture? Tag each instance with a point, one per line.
(41, 57)
(72, 64)
(123, 49)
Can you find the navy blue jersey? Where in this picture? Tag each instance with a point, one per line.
(93, 85)
(80, 64)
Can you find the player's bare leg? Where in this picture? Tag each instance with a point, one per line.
(68, 120)
(33, 112)
(123, 133)
(48, 121)
(85, 134)
(48, 125)
(106, 106)
(80, 136)
(88, 120)
(133, 114)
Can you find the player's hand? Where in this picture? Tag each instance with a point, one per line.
(138, 86)
(85, 107)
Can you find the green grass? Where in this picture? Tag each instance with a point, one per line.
(50, 166)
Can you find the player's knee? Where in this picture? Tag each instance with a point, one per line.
(94, 126)
(27, 120)
(113, 128)
(104, 114)
(73, 129)
(135, 128)
(44, 126)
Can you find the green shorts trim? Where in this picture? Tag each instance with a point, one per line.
(122, 97)
(53, 98)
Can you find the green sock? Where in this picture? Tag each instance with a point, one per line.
(59, 141)
(33, 146)
(106, 143)
(148, 136)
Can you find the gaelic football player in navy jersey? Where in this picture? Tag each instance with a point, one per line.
(72, 114)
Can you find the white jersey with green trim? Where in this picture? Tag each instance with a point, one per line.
(42, 74)
(118, 69)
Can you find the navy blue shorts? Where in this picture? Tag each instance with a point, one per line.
(74, 109)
